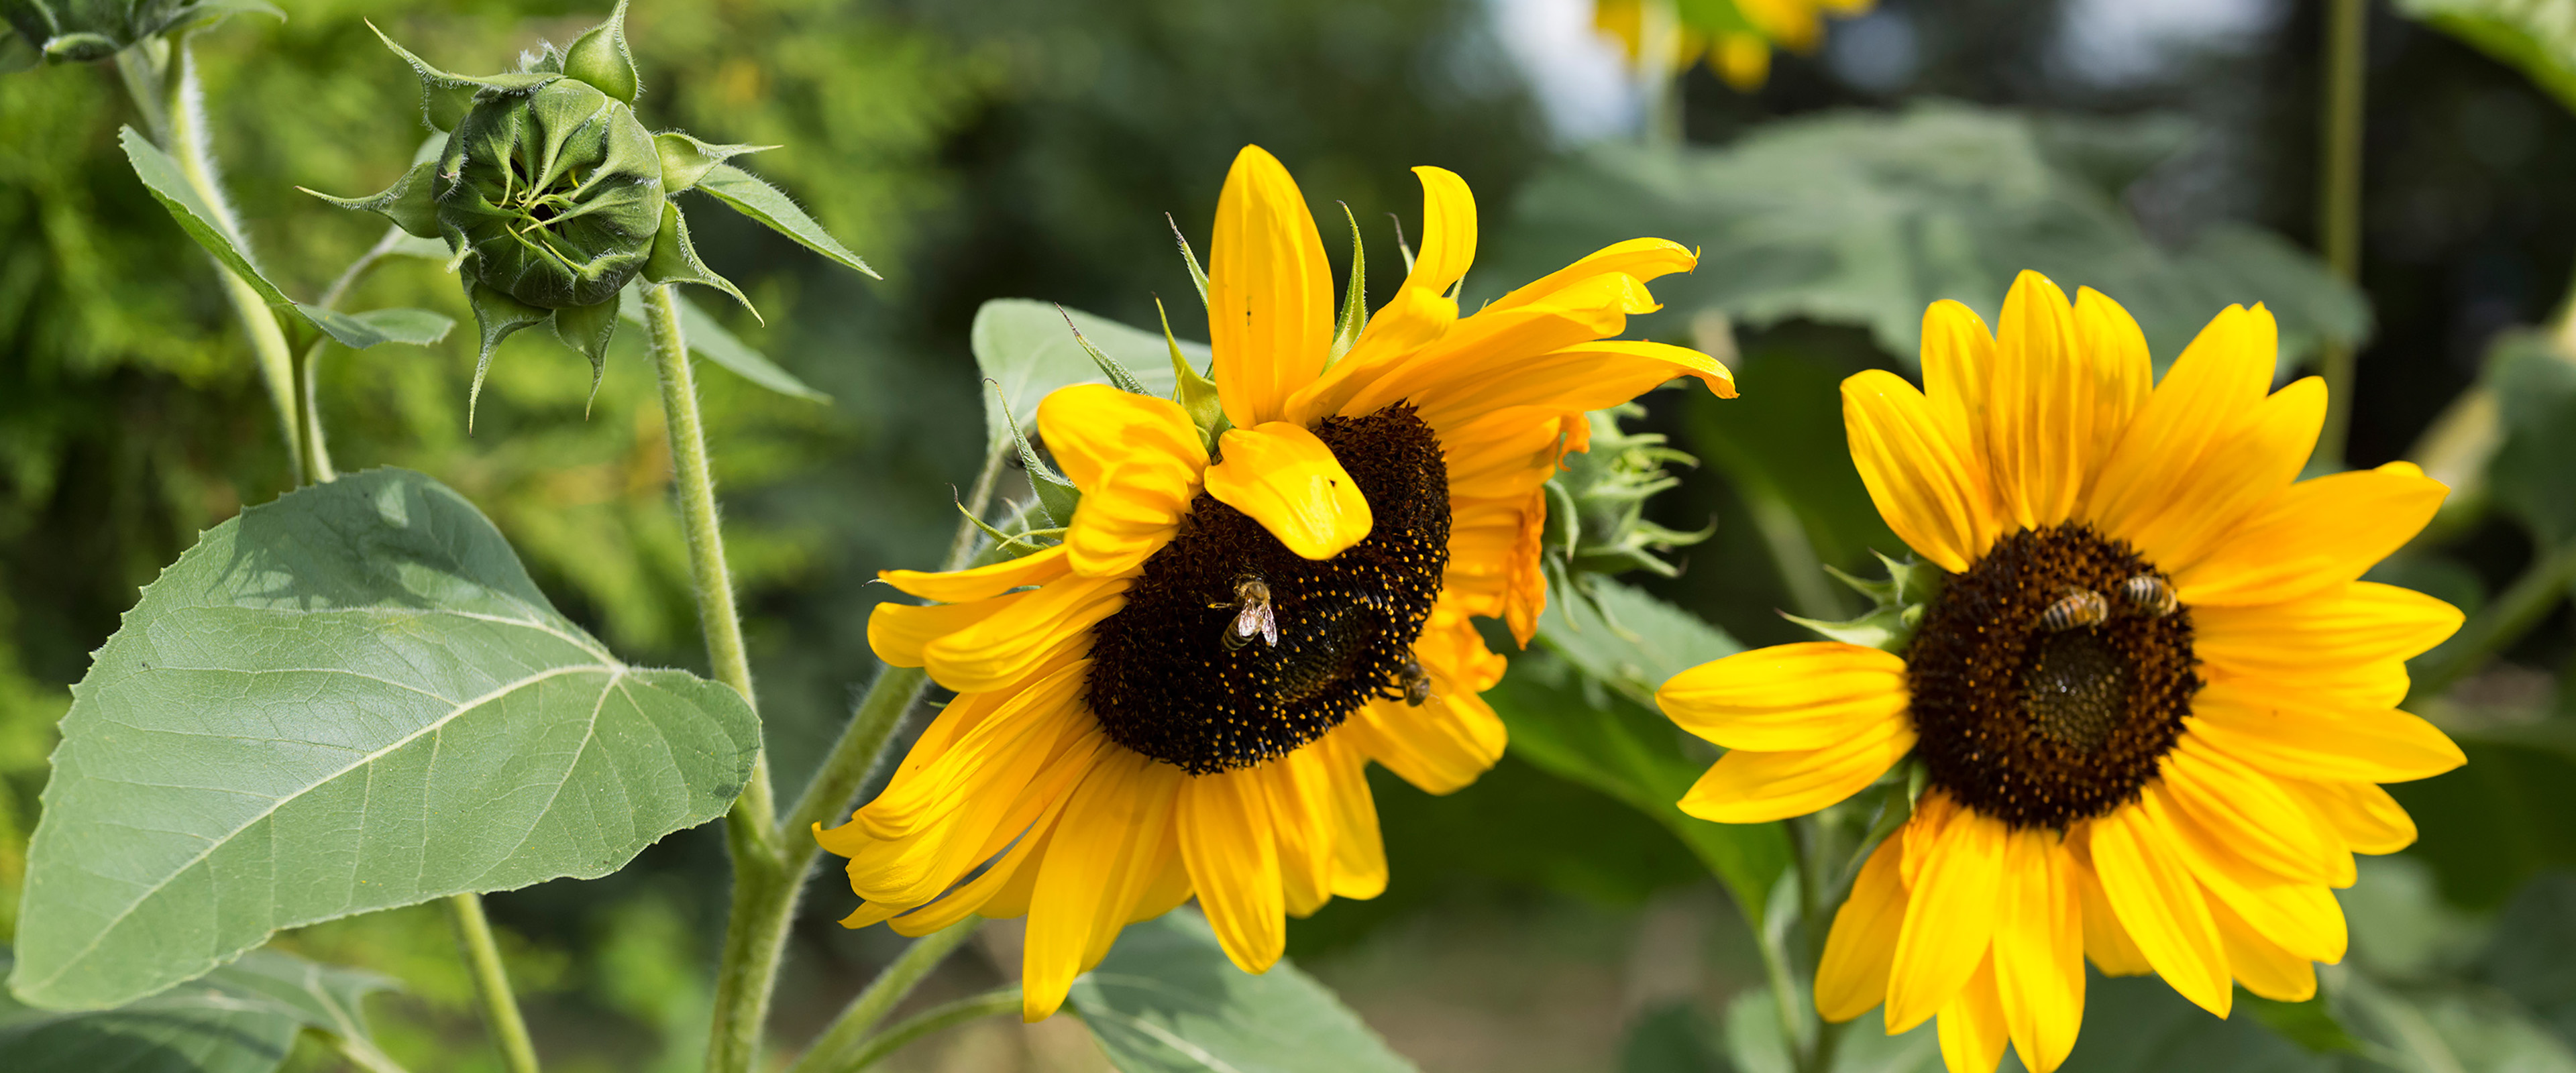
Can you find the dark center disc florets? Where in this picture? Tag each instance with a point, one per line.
(2037, 704)
(1174, 678)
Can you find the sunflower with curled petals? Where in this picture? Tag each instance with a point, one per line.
(2152, 701)
(1118, 742)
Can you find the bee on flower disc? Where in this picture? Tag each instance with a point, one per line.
(1253, 614)
(2079, 607)
(2149, 595)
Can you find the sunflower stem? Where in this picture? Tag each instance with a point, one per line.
(492, 984)
(934, 1019)
(841, 1043)
(2339, 200)
(764, 893)
(2528, 600)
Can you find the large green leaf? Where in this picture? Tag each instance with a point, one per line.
(1166, 1000)
(2503, 817)
(2536, 36)
(1865, 218)
(349, 699)
(241, 1018)
(1628, 640)
(2533, 957)
(1026, 347)
(2535, 389)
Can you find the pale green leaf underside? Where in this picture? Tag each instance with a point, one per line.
(1166, 1000)
(241, 1018)
(1024, 346)
(1641, 643)
(2537, 36)
(711, 341)
(350, 699)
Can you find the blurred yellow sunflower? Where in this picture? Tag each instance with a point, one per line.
(1738, 48)
(1181, 697)
(2152, 700)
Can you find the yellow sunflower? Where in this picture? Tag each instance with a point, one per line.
(1182, 696)
(2152, 700)
(1742, 57)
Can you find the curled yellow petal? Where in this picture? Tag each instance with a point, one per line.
(1285, 478)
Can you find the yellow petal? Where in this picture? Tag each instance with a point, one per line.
(983, 582)
(998, 650)
(1958, 365)
(2160, 905)
(963, 812)
(2354, 625)
(1019, 840)
(1455, 736)
(2249, 812)
(1586, 376)
(1862, 945)
(2039, 413)
(1301, 820)
(1918, 476)
(1643, 258)
(2039, 949)
(1757, 787)
(1286, 479)
(1422, 308)
(1949, 922)
(2294, 915)
(1787, 697)
(2109, 345)
(898, 633)
(2238, 476)
(1091, 874)
(2262, 965)
(1492, 341)
(2365, 816)
(2204, 398)
(1233, 859)
(1972, 1024)
(1138, 461)
(2316, 534)
(1359, 851)
(2105, 941)
(2312, 737)
(1270, 293)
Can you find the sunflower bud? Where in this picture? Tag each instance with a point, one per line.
(78, 31)
(1596, 507)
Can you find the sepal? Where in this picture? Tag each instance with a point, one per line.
(600, 57)
(675, 260)
(1056, 496)
(496, 315)
(1195, 393)
(773, 208)
(1190, 257)
(409, 202)
(1118, 374)
(445, 97)
(1897, 611)
(1354, 315)
(1596, 506)
(685, 159)
(588, 329)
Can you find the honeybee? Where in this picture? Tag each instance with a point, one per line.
(1415, 681)
(1253, 614)
(2148, 595)
(2079, 607)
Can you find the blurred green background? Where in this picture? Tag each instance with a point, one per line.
(2164, 153)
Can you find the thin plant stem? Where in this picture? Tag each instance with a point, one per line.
(836, 1047)
(161, 77)
(764, 897)
(2522, 605)
(1775, 968)
(492, 984)
(2339, 198)
(317, 444)
(934, 1019)
(363, 1054)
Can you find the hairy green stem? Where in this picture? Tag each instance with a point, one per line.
(162, 78)
(764, 899)
(2520, 607)
(2339, 199)
(492, 984)
(839, 1044)
(989, 1004)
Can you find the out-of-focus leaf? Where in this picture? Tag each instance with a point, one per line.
(2449, 1028)
(2531, 476)
(1792, 445)
(2137, 1024)
(1673, 1038)
(1754, 1045)
(2533, 955)
(349, 699)
(241, 1018)
(1573, 711)
(1166, 1000)
(1024, 346)
(2503, 817)
(358, 331)
(708, 337)
(2310, 1024)
(1866, 218)
(2537, 37)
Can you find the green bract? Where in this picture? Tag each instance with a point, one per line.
(554, 197)
(77, 31)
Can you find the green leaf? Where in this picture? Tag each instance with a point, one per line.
(2310, 1024)
(358, 331)
(197, 1028)
(2505, 816)
(2533, 957)
(675, 259)
(709, 339)
(1672, 1038)
(1640, 643)
(600, 57)
(686, 160)
(1865, 218)
(2137, 1024)
(1754, 1044)
(2537, 37)
(2439, 1029)
(409, 202)
(170, 186)
(349, 699)
(1166, 1000)
(767, 204)
(1022, 345)
(2535, 389)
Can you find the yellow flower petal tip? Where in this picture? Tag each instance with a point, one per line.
(2149, 706)
(1286, 479)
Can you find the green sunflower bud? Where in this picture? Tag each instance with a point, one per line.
(1596, 507)
(557, 191)
(78, 31)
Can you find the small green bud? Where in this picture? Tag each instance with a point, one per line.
(557, 191)
(685, 159)
(600, 58)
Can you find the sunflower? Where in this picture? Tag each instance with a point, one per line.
(2151, 703)
(1738, 49)
(1182, 696)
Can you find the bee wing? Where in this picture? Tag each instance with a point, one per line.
(1269, 627)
